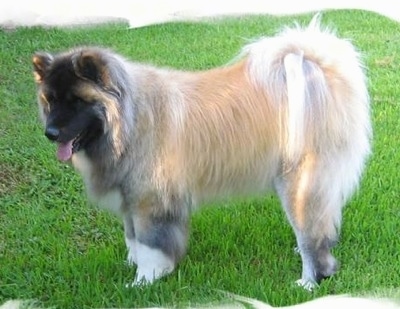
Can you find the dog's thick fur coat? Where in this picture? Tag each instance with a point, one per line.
(290, 114)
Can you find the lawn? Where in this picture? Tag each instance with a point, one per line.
(57, 249)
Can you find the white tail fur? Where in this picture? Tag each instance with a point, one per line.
(296, 87)
(315, 105)
(315, 21)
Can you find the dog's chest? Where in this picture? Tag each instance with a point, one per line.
(110, 199)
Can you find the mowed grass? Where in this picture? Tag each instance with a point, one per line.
(57, 249)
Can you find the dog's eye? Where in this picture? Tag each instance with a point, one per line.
(50, 98)
(76, 100)
(77, 103)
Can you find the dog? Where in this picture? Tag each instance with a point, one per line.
(289, 115)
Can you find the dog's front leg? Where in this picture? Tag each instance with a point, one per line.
(160, 240)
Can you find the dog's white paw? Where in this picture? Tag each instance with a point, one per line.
(144, 278)
(297, 250)
(152, 265)
(306, 284)
(139, 283)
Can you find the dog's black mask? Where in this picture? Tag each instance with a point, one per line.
(71, 122)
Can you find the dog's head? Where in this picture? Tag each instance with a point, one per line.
(77, 98)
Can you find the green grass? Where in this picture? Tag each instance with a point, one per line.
(57, 249)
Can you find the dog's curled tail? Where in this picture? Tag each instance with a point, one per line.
(311, 115)
(316, 83)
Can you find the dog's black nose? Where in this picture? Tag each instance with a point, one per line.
(52, 133)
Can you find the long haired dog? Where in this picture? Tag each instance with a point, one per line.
(291, 114)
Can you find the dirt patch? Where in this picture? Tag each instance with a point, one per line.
(10, 178)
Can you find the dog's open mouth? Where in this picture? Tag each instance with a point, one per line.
(66, 149)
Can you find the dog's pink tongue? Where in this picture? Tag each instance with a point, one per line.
(64, 151)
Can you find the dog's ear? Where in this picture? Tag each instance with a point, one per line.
(92, 65)
(89, 65)
(41, 61)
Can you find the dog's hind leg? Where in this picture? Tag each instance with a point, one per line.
(313, 206)
(160, 239)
